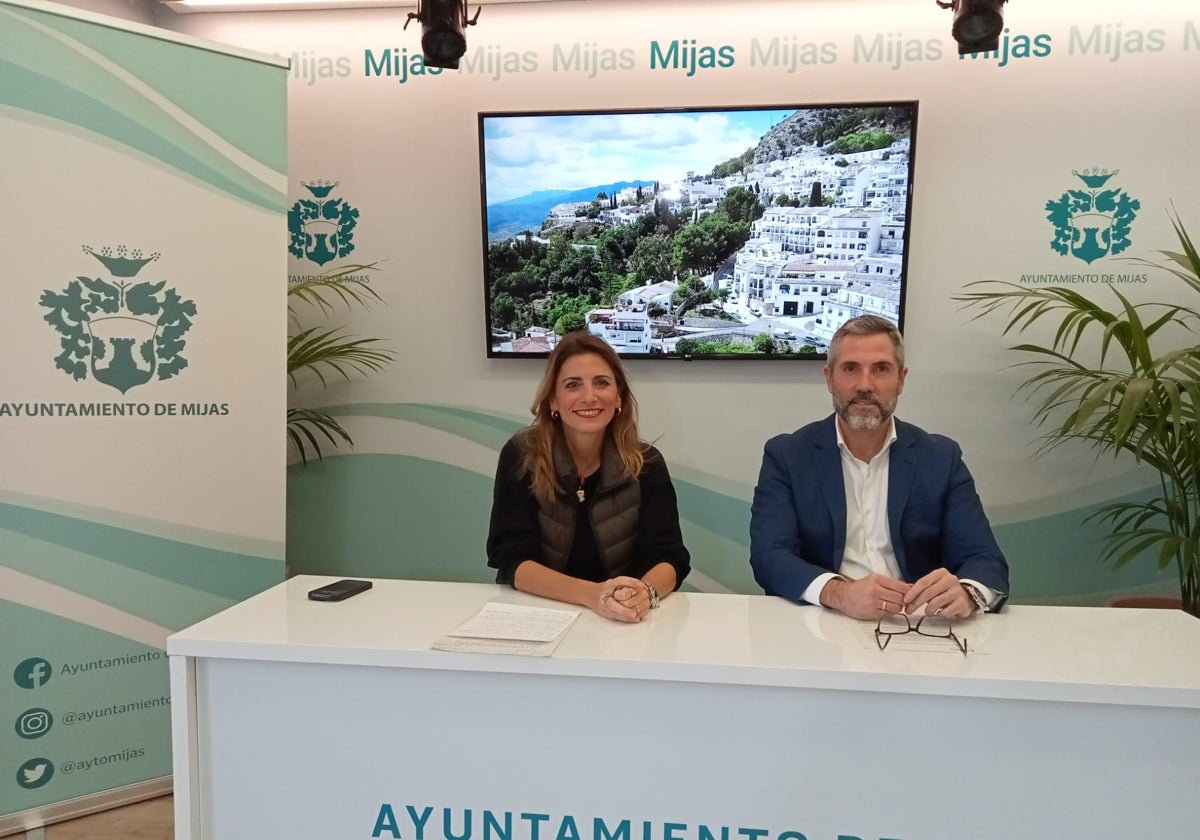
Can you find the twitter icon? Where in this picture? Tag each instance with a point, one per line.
(35, 772)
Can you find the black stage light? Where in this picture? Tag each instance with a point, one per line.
(442, 23)
(977, 24)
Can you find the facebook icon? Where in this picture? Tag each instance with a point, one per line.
(33, 673)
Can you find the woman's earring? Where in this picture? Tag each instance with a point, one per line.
(617, 411)
(554, 415)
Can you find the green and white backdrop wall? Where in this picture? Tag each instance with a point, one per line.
(142, 386)
(1079, 86)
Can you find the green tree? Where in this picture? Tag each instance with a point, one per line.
(568, 309)
(557, 249)
(570, 322)
(861, 141)
(522, 285)
(652, 260)
(690, 294)
(504, 310)
(711, 347)
(734, 166)
(696, 248)
(577, 273)
(612, 286)
(763, 343)
(741, 205)
(709, 242)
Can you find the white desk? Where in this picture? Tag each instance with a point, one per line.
(722, 717)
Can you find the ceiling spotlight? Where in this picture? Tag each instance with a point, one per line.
(977, 24)
(442, 23)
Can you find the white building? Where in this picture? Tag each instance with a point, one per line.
(891, 237)
(848, 236)
(756, 268)
(803, 287)
(861, 295)
(888, 188)
(628, 331)
(793, 229)
(643, 296)
(699, 192)
(566, 213)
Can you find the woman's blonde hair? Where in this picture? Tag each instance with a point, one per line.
(540, 437)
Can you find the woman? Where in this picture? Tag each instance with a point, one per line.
(583, 510)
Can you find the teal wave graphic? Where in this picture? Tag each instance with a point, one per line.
(220, 573)
(43, 76)
(395, 516)
(197, 79)
(719, 512)
(131, 591)
(1055, 559)
(488, 430)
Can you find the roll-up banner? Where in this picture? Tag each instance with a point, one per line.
(142, 384)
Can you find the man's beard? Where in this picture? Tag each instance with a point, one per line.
(863, 419)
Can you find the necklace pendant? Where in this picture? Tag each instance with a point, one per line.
(580, 494)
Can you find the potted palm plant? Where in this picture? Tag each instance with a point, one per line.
(1123, 379)
(322, 351)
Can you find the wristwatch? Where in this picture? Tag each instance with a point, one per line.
(655, 601)
(977, 597)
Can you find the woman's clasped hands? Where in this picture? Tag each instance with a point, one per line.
(622, 599)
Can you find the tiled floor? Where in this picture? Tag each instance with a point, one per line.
(153, 819)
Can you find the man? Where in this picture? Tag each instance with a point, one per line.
(866, 514)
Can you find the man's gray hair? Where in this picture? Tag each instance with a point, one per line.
(868, 325)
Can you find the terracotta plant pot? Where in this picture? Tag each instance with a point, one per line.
(1148, 602)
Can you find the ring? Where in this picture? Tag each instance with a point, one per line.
(883, 606)
(604, 598)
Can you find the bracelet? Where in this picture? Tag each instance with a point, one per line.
(655, 601)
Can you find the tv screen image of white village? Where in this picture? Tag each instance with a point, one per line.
(698, 233)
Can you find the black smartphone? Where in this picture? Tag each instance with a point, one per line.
(339, 591)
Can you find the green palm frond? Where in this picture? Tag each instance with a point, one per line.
(331, 351)
(307, 426)
(1105, 380)
(327, 292)
(328, 351)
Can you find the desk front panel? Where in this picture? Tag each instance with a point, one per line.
(326, 751)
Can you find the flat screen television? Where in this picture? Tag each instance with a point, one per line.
(698, 233)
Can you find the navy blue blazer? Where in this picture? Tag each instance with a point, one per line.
(798, 518)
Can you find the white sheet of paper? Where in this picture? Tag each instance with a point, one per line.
(515, 622)
(513, 647)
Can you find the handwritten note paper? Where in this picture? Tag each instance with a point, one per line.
(511, 629)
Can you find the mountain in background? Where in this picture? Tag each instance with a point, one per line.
(824, 126)
(509, 218)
